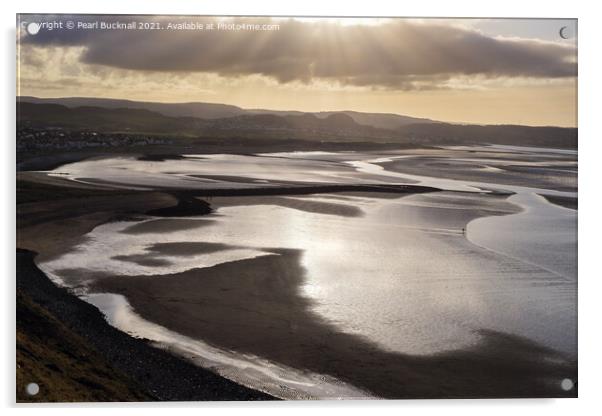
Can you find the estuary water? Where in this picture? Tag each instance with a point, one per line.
(418, 274)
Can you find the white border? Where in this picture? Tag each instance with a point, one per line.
(590, 152)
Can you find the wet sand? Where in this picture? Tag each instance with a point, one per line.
(566, 202)
(57, 214)
(255, 306)
(240, 306)
(495, 166)
(301, 204)
(97, 362)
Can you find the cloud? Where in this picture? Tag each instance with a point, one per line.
(395, 54)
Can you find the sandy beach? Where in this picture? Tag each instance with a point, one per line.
(55, 216)
(253, 306)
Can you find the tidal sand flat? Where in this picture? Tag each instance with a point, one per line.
(341, 294)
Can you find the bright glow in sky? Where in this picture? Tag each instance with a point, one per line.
(488, 71)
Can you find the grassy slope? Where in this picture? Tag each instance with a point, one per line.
(62, 363)
(53, 356)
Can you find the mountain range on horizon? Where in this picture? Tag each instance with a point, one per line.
(212, 111)
(222, 121)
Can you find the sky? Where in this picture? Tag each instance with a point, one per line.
(484, 71)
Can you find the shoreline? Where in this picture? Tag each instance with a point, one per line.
(63, 212)
(457, 374)
(239, 304)
(155, 372)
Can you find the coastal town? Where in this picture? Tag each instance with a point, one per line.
(31, 139)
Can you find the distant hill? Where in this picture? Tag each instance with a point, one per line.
(198, 110)
(337, 127)
(378, 120)
(214, 111)
(443, 133)
(103, 119)
(324, 127)
(381, 120)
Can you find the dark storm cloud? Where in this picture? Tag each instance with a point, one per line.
(397, 54)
